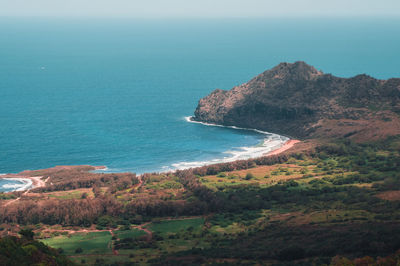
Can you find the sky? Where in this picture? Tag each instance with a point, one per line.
(199, 8)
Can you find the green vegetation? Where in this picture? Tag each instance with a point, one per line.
(132, 233)
(6, 196)
(163, 183)
(25, 251)
(74, 194)
(175, 226)
(85, 243)
(249, 176)
(336, 203)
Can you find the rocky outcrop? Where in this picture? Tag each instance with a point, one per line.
(300, 101)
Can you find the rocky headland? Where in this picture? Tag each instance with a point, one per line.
(297, 100)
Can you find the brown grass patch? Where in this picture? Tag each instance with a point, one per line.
(389, 195)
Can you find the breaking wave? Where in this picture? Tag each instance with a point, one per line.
(270, 142)
(16, 184)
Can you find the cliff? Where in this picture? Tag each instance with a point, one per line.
(300, 101)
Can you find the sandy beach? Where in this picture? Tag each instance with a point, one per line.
(37, 181)
(288, 144)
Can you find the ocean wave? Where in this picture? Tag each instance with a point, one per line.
(270, 142)
(189, 119)
(25, 184)
(102, 170)
(108, 170)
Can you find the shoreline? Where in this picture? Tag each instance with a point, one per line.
(257, 154)
(286, 146)
(191, 120)
(269, 144)
(29, 182)
(273, 144)
(241, 153)
(26, 184)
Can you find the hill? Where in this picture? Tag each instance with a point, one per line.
(26, 251)
(300, 101)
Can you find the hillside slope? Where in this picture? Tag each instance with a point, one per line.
(300, 101)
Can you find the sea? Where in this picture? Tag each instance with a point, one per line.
(119, 92)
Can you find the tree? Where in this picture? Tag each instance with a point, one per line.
(249, 176)
(27, 233)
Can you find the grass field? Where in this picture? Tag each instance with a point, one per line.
(133, 233)
(263, 176)
(90, 243)
(175, 226)
(70, 194)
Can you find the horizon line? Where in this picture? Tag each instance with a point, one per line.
(130, 17)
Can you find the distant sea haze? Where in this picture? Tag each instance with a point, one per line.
(117, 92)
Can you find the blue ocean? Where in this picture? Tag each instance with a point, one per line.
(116, 92)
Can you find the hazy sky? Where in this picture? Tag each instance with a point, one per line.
(199, 8)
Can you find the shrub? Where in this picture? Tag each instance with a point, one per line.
(27, 233)
(291, 183)
(78, 250)
(304, 171)
(249, 176)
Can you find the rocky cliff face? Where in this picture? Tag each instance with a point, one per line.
(300, 101)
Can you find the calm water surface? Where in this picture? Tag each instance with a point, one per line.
(115, 92)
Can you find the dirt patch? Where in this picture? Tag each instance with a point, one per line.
(389, 195)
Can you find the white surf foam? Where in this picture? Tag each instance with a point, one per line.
(100, 170)
(25, 185)
(189, 119)
(108, 170)
(270, 142)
